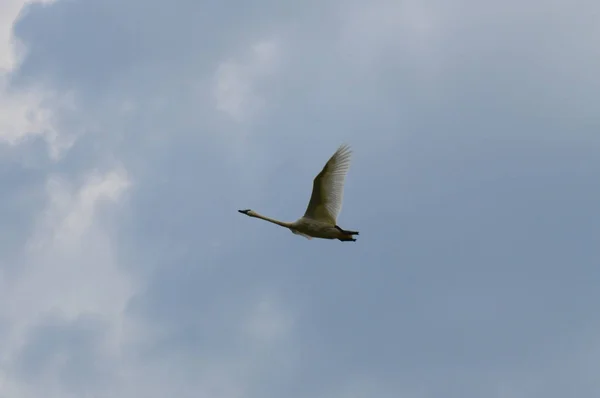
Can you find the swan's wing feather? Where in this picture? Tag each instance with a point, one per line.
(328, 188)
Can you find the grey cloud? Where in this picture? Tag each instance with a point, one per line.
(90, 43)
(473, 186)
(69, 352)
(21, 193)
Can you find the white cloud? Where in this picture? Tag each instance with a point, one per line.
(9, 10)
(76, 212)
(23, 114)
(235, 91)
(70, 267)
(71, 245)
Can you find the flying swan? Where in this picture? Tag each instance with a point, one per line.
(319, 220)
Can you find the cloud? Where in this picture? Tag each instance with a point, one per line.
(136, 129)
(9, 11)
(65, 356)
(25, 114)
(64, 302)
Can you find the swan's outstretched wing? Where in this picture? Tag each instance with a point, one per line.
(328, 188)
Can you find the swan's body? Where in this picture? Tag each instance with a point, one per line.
(320, 218)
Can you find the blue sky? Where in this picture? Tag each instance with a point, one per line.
(131, 131)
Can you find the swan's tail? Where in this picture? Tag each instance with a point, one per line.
(348, 235)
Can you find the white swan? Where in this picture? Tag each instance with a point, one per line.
(319, 220)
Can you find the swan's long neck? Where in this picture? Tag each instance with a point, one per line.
(271, 220)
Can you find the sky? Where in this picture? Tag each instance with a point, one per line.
(132, 131)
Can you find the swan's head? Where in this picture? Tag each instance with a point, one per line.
(247, 212)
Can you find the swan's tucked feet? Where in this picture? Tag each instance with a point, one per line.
(347, 239)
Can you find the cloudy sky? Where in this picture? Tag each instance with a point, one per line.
(132, 130)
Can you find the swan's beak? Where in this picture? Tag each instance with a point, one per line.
(244, 211)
